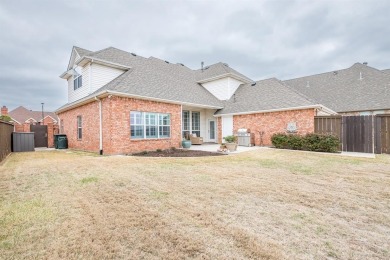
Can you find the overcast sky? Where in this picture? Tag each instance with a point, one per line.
(261, 39)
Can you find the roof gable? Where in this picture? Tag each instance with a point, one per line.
(264, 95)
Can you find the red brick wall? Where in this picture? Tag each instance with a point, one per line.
(116, 135)
(116, 126)
(90, 127)
(274, 122)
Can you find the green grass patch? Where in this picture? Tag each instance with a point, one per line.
(89, 180)
(159, 194)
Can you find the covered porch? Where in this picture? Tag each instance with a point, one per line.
(200, 122)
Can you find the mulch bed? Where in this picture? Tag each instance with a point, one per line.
(177, 153)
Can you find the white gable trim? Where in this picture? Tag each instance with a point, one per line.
(30, 119)
(55, 120)
(224, 76)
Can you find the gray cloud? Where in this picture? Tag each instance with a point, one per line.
(261, 39)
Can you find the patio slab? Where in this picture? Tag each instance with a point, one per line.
(211, 147)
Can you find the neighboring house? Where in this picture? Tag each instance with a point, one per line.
(358, 90)
(122, 103)
(22, 118)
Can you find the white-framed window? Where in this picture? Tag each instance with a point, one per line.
(79, 127)
(196, 123)
(77, 82)
(186, 120)
(144, 125)
(164, 126)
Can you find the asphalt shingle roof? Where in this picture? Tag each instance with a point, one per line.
(357, 88)
(266, 94)
(82, 52)
(216, 70)
(154, 78)
(21, 114)
(157, 79)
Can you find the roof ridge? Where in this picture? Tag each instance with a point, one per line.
(298, 92)
(322, 73)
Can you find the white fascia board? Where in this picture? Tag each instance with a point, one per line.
(105, 93)
(14, 120)
(55, 120)
(272, 110)
(103, 62)
(29, 120)
(224, 76)
(65, 75)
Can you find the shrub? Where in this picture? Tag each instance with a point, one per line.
(280, 140)
(309, 142)
(159, 150)
(5, 118)
(230, 139)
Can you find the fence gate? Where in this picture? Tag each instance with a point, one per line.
(382, 134)
(40, 135)
(357, 134)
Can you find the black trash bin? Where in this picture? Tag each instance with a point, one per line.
(56, 139)
(62, 142)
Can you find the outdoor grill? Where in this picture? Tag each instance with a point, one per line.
(245, 137)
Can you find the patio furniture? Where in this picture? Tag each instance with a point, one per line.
(196, 140)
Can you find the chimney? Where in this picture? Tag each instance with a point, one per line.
(201, 64)
(4, 111)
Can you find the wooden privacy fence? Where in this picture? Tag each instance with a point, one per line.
(366, 134)
(6, 130)
(382, 134)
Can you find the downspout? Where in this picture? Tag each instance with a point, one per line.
(100, 126)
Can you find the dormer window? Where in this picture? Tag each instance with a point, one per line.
(77, 81)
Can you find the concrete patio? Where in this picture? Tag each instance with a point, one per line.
(212, 147)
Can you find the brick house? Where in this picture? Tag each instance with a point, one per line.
(119, 103)
(23, 118)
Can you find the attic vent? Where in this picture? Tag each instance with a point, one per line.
(207, 67)
(335, 72)
(133, 54)
(180, 64)
(365, 63)
(166, 61)
(227, 65)
(254, 83)
(307, 84)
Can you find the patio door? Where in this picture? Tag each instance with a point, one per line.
(212, 130)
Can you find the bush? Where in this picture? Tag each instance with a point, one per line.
(159, 150)
(5, 118)
(309, 142)
(230, 139)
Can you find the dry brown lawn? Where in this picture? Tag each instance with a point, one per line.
(265, 204)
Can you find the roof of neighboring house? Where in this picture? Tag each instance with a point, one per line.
(22, 114)
(265, 95)
(358, 88)
(218, 70)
